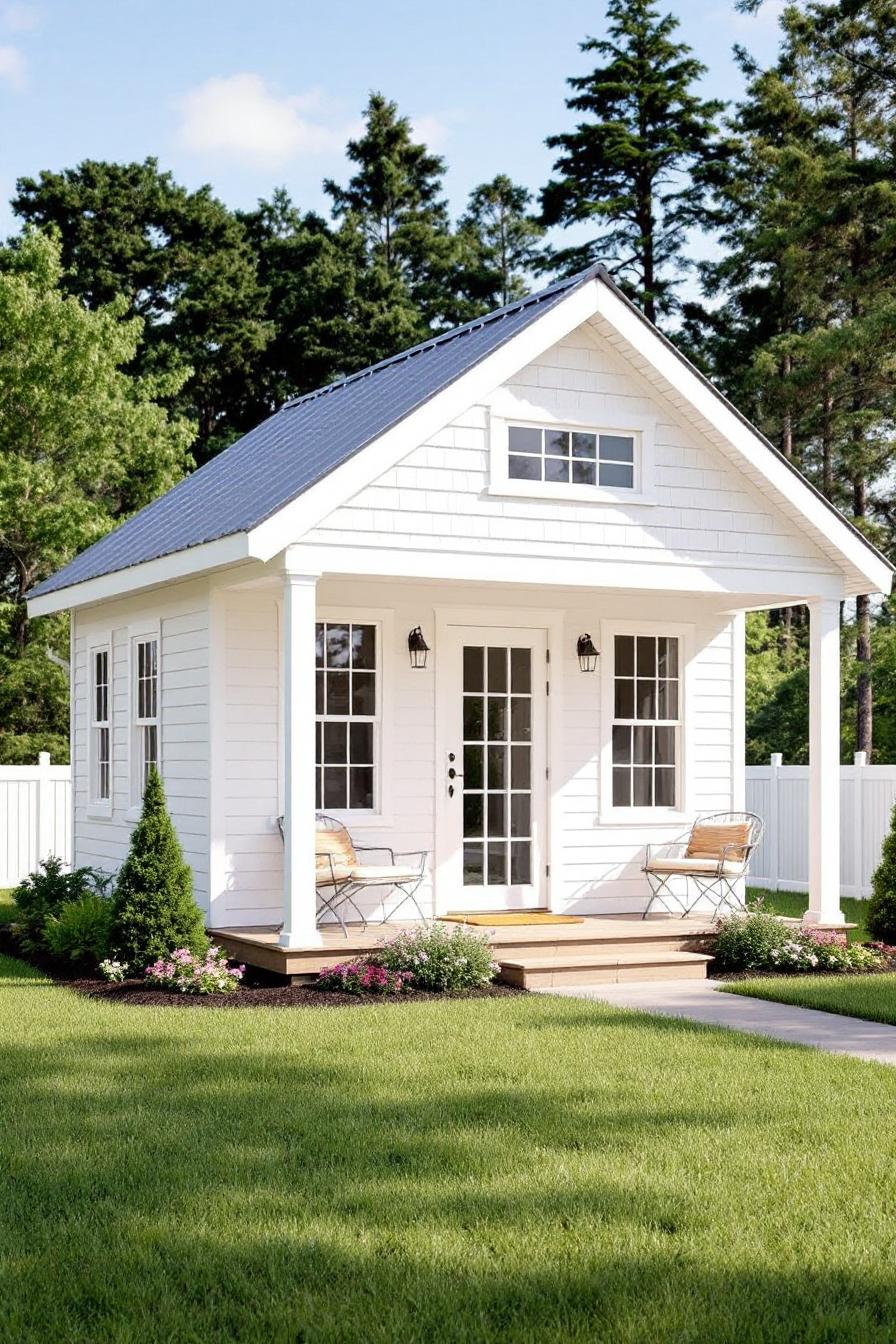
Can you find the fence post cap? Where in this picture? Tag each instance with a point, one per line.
(43, 758)
(860, 758)
(777, 759)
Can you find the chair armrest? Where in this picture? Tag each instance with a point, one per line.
(421, 854)
(334, 880)
(674, 849)
(376, 849)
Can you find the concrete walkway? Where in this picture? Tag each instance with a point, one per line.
(701, 1001)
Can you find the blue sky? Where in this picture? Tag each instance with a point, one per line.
(248, 96)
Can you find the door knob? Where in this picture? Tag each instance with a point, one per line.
(454, 774)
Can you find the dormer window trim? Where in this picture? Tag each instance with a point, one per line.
(502, 483)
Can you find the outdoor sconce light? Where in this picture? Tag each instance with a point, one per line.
(588, 654)
(417, 647)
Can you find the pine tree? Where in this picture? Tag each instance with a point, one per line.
(636, 166)
(153, 907)
(394, 208)
(501, 243)
(811, 275)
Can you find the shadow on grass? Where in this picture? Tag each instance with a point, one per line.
(161, 1187)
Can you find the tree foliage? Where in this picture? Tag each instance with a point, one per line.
(635, 168)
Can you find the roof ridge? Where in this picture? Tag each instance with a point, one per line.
(442, 338)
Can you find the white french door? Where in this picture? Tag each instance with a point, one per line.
(492, 791)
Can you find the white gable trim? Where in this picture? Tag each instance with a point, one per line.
(831, 531)
(151, 574)
(292, 522)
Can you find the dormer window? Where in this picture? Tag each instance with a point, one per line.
(571, 457)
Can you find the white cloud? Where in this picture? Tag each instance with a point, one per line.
(12, 67)
(240, 116)
(19, 18)
(430, 130)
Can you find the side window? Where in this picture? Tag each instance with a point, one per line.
(144, 713)
(100, 727)
(571, 457)
(348, 716)
(646, 721)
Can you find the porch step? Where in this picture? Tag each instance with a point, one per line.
(592, 968)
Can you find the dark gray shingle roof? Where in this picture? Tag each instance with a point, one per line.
(299, 445)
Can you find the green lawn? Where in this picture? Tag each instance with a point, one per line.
(795, 903)
(7, 907)
(870, 996)
(526, 1169)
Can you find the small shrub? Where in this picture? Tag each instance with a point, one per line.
(746, 942)
(439, 958)
(183, 971)
(42, 894)
(759, 942)
(114, 971)
(881, 918)
(80, 930)
(154, 907)
(364, 975)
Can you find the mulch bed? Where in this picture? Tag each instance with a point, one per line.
(259, 989)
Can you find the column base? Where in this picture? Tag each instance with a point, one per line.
(300, 938)
(824, 919)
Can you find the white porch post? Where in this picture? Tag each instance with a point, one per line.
(298, 673)
(824, 763)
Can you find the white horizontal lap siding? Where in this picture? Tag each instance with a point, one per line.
(180, 617)
(602, 860)
(704, 510)
(248, 768)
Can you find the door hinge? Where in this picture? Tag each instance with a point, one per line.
(547, 772)
(547, 656)
(547, 688)
(547, 870)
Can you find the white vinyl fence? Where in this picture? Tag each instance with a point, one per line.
(35, 817)
(780, 795)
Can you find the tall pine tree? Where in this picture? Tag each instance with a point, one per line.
(395, 228)
(634, 170)
(501, 243)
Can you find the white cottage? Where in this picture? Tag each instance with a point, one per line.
(554, 470)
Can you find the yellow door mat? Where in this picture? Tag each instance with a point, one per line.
(519, 917)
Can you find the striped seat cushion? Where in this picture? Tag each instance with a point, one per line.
(335, 844)
(709, 840)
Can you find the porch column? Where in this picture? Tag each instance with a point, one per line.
(824, 764)
(298, 674)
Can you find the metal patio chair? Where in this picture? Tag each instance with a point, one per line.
(341, 876)
(714, 855)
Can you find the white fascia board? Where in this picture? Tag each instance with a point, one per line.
(152, 574)
(766, 584)
(295, 519)
(708, 404)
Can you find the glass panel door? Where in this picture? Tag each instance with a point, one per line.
(495, 800)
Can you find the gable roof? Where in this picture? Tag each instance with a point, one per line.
(243, 502)
(301, 443)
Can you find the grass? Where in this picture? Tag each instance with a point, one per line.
(795, 903)
(530, 1169)
(7, 906)
(869, 996)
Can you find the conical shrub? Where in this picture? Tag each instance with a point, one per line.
(882, 905)
(154, 910)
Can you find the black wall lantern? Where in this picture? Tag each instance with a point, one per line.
(588, 654)
(417, 647)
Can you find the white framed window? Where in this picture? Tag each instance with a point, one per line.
(645, 671)
(100, 754)
(145, 736)
(570, 457)
(582, 462)
(646, 721)
(348, 658)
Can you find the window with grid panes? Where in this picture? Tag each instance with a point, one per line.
(101, 783)
(347, 715)
(571, 457)
(146, 710)
(646, 723)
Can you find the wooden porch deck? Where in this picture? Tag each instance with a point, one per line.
(601, 947)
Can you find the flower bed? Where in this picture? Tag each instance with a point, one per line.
(190, 974)
(760, 942)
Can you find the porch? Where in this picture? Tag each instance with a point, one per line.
(531, 781)
(599, 949)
